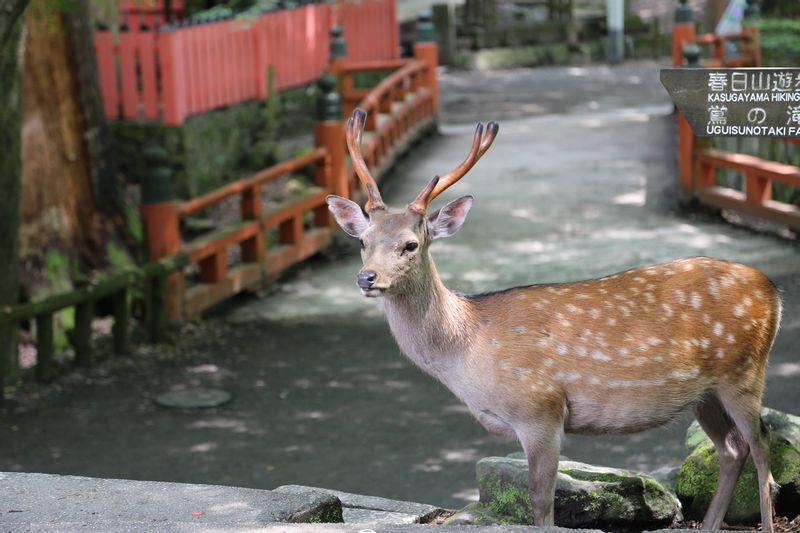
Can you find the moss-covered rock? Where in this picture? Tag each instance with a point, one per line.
(586, 495)
(697, 477)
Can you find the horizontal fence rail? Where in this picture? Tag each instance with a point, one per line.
(173, 71)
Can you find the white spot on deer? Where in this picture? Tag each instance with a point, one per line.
(537, 305)
(706, 318)
(494, 342)
(685, 316)
(747, 301)
(655, 341)
(705, 342)
(550, 388)
(542, 341)
(727, 281)
(687, 344)
(581, 296)
(566, 376)
(594, 313)
(649, 298)
(611, 321)
(520, 329)
(718, 329)
(574, 309)
(521, 296)
(602, 291)
(594, 381)
(561, 348)
(759, 294)
(624, 310)
(669, 272)
(713, 287)
(680, 296)
(600, 356)
(623, 351)
(738, 310)
(667, 309)
(697, 301)
(719, 353)
(503, 365)
(687, 267)
(639, 279)
(658, 358)
(730, 338)
(686, 374)
(581, 351)
(522, 373)
(634, 290)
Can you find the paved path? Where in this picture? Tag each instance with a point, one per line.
(577, 184)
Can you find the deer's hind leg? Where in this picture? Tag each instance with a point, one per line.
(744, 409)
(731, 449)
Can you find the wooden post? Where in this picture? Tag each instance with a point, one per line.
(682, 31)
(122, 316)
(160, 221)
(686, 138)
(338, 51)
(329, 133)
(425, 49)
(84, 312)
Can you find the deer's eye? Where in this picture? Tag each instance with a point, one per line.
(361, 242)
(411, 246)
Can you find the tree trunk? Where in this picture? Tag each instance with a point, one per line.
(10, 32)
(58, 207)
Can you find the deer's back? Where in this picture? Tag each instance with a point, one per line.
(627, 351)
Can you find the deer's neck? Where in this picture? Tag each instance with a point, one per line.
(432, 325)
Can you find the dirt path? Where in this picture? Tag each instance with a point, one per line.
(575, 186)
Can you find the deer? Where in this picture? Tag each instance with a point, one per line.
(613, 355)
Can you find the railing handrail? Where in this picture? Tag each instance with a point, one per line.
(372, 99)
(373, 64)
(210, 198)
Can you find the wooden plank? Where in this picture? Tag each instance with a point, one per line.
(212, 243)
(239, 186)
(82, 334)
(203, 296)
(214, 267)
(294, 207)
(280, 258)
(745, 163)
(122, 316)
(44, 346)
(147, 62)
(725, 198)
(127, 74)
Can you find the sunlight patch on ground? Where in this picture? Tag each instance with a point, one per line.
(635, 198)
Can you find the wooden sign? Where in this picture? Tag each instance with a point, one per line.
(734, 102)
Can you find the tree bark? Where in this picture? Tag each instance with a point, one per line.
(102, 165)
(58, 208)
(10, 163)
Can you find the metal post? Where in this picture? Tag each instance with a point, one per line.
(615, 16)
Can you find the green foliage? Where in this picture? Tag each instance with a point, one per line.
(780, 42)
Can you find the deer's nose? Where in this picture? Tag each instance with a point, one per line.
(366, 279)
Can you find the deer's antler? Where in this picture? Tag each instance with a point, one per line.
(355, 125)
(480, 143)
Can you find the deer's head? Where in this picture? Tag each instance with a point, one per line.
(394, 243)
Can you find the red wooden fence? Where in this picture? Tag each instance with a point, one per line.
(169, 75)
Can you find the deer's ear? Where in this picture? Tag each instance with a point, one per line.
(348, 214)
(447, 220)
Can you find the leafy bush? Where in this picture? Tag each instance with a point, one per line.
(780, 42)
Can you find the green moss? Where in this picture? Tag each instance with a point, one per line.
(117, 257)
(510, 503)
(328, 514)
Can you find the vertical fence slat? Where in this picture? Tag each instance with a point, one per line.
(147, 62)
(106, 72)
(127, 73)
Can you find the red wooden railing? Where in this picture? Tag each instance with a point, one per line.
(172, 73)
(401, 108)
(699, 162)
(148, 12)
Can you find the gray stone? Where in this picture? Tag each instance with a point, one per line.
(32, 501)
(474, 514)
(697, 478)
(370, 516)
(422, 511)
(196, 398)
(586, 496)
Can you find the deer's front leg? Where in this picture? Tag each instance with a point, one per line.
(542, 444)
